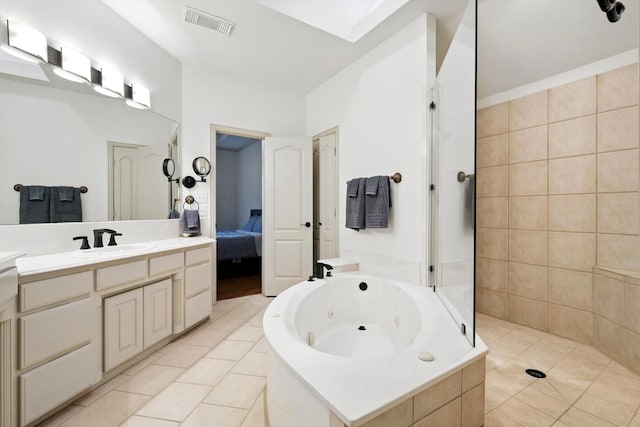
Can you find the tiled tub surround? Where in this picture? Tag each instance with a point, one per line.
(367, 340)
(557, 188)
(616, 321)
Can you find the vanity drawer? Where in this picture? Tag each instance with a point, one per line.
(120, 274)
(195, 256)
(52, 332)
(197, 279)
(166, 263)
(50, 385)
(197, 308)
(59, 289)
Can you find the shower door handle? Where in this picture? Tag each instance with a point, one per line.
(463, 176)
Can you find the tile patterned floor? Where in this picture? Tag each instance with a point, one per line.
(214, 377)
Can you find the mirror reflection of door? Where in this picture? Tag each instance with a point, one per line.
(325, 195)
(135, 178)
(238, 209)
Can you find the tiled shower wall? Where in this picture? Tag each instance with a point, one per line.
(557, 194)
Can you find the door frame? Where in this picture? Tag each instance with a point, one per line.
(335, 130)
(227, 130)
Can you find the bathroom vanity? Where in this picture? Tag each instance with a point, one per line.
(83, 317)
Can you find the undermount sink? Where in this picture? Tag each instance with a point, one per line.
(131, 248)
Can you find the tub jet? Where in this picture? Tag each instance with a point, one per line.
(362, 328)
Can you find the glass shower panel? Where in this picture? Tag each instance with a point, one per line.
(452, 199)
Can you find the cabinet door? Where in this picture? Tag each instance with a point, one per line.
(157, 312)
(123, 333)
(197, 279)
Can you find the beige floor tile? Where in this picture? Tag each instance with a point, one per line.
(110, 410)
(493, 397)
(229, 350)
(577, 418)
(547, 404)
(524, 414)
(226, 324)
(564, 389)
(614, 389)
(142, 364)
(261, 346)
(226, 305)
(205, 338)
(211, 415)
(151, 380)
(255, 320)
(207, 372)
(61, 416)
(608, 410)
(636, 421)
(238, 391)
(138, 421)
(252, 363)
(182, 356)
(493, 419)
(97, 393)
(510, 377)
(246, 333)
(175, 402)
(256, 415)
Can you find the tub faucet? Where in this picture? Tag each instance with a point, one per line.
(320, 266)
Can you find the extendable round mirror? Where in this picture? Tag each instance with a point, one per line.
(201, 167)
(169, 168)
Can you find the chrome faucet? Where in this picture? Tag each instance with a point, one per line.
(320, 266)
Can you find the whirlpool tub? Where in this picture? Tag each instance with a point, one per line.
(349, 349)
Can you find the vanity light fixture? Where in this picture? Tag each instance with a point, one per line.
(112, 83)
(76, 67)
(140, 97)
(26, 43)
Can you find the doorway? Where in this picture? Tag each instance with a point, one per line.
(238, 212)
(325, 195)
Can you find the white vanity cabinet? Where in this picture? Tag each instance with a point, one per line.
(80, 326)
(58, 342)
(136, 320)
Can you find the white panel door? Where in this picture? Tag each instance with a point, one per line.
(123, 185)
(157, 312)
(287, 213)
(327, 221)
(123, 334)
(151, 183)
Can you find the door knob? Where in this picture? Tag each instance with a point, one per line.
(307, 224)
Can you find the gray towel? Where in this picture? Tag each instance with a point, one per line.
(377, 207)
(372, 186)
(36, 192)
(190, 222)
(63, 210)
(356, 207)
(66, 194)
(34, 211)
(352, 187)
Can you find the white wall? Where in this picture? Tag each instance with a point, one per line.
(210, 97)
(92, 28)
(58, 137)
(249, 181)
(379, 104)
(227, 190)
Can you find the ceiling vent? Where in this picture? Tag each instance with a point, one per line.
(212, 22)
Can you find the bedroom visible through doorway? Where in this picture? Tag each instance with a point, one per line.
(238, 215)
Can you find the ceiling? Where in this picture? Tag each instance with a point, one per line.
(233, 142)
(268, 46)
(522, 41)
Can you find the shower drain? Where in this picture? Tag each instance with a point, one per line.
(535, 373)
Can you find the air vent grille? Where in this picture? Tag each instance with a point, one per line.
(206, 20)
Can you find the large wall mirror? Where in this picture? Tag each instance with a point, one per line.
(58, 133)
